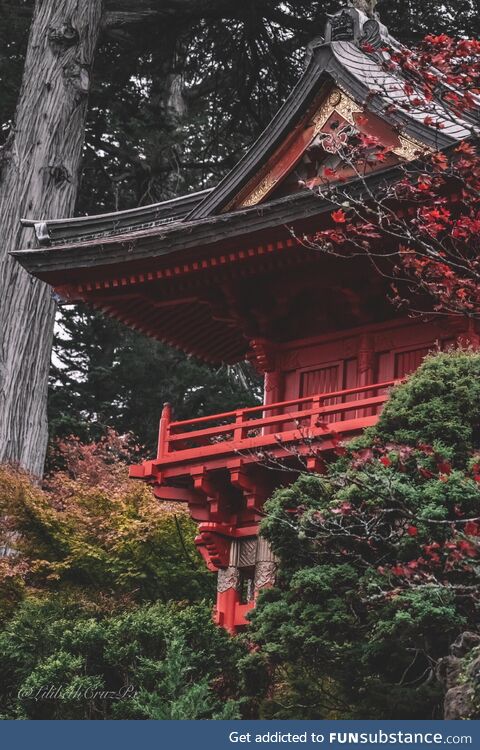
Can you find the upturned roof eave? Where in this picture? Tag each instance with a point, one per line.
(329, 65)
(76, 228)
(164, 241)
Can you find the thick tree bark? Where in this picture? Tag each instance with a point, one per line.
(39, 169)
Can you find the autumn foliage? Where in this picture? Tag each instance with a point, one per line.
(420, 228)
(92, 531)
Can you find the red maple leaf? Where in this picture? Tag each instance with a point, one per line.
(361, 120)
(467, 548)
(472, 529)
(339, 217)
(466, 148)
(444, 467)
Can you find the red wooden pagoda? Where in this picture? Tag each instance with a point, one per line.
(225, 275)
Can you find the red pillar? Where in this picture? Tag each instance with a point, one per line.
(273, 387)
(228, 598)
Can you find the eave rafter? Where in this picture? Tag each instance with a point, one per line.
(172, 272)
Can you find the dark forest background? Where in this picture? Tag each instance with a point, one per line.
(180, 89)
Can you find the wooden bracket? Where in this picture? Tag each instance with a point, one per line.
(262, 355)
(316, 465)
(254, 491)
(203, 483)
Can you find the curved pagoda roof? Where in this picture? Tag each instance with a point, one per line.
(159, 268)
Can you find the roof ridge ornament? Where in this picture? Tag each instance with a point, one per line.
(358, 23)
(367, 6)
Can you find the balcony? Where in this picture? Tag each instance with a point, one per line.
(226, 466)
(249, 436)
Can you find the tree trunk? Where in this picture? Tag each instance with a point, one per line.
(39, 169)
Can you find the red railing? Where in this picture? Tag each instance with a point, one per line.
(253, 426)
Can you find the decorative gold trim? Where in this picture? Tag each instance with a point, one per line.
(260, 191)
(336, 101)
(340, 103)
(409, 149)
(347, 108)
(335, 97)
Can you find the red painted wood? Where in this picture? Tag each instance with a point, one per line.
(241, 611)
(237, 436)
(181, 465)
(409, 361)
(324, 380)
(228, 610)
(163, 432)
(228, 437)
(326, 388)
(280, 405)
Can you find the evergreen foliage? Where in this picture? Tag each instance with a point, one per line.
(61, 659)
(379, 558)
(440, 406)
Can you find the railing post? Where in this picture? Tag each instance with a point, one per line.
(238, 431)
(317, 402)
(164, 431)
(366, 369)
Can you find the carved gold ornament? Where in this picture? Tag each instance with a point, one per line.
(260, 191)
(337, 102)
(335, 98)
(344, 106)
(409, 149)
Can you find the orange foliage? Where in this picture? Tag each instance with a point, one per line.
(92, 528)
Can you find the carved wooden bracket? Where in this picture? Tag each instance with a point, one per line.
(203, 483)
(265, 574)
(254, 491)
(262, 355)
(214, 549)
(228, 579)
